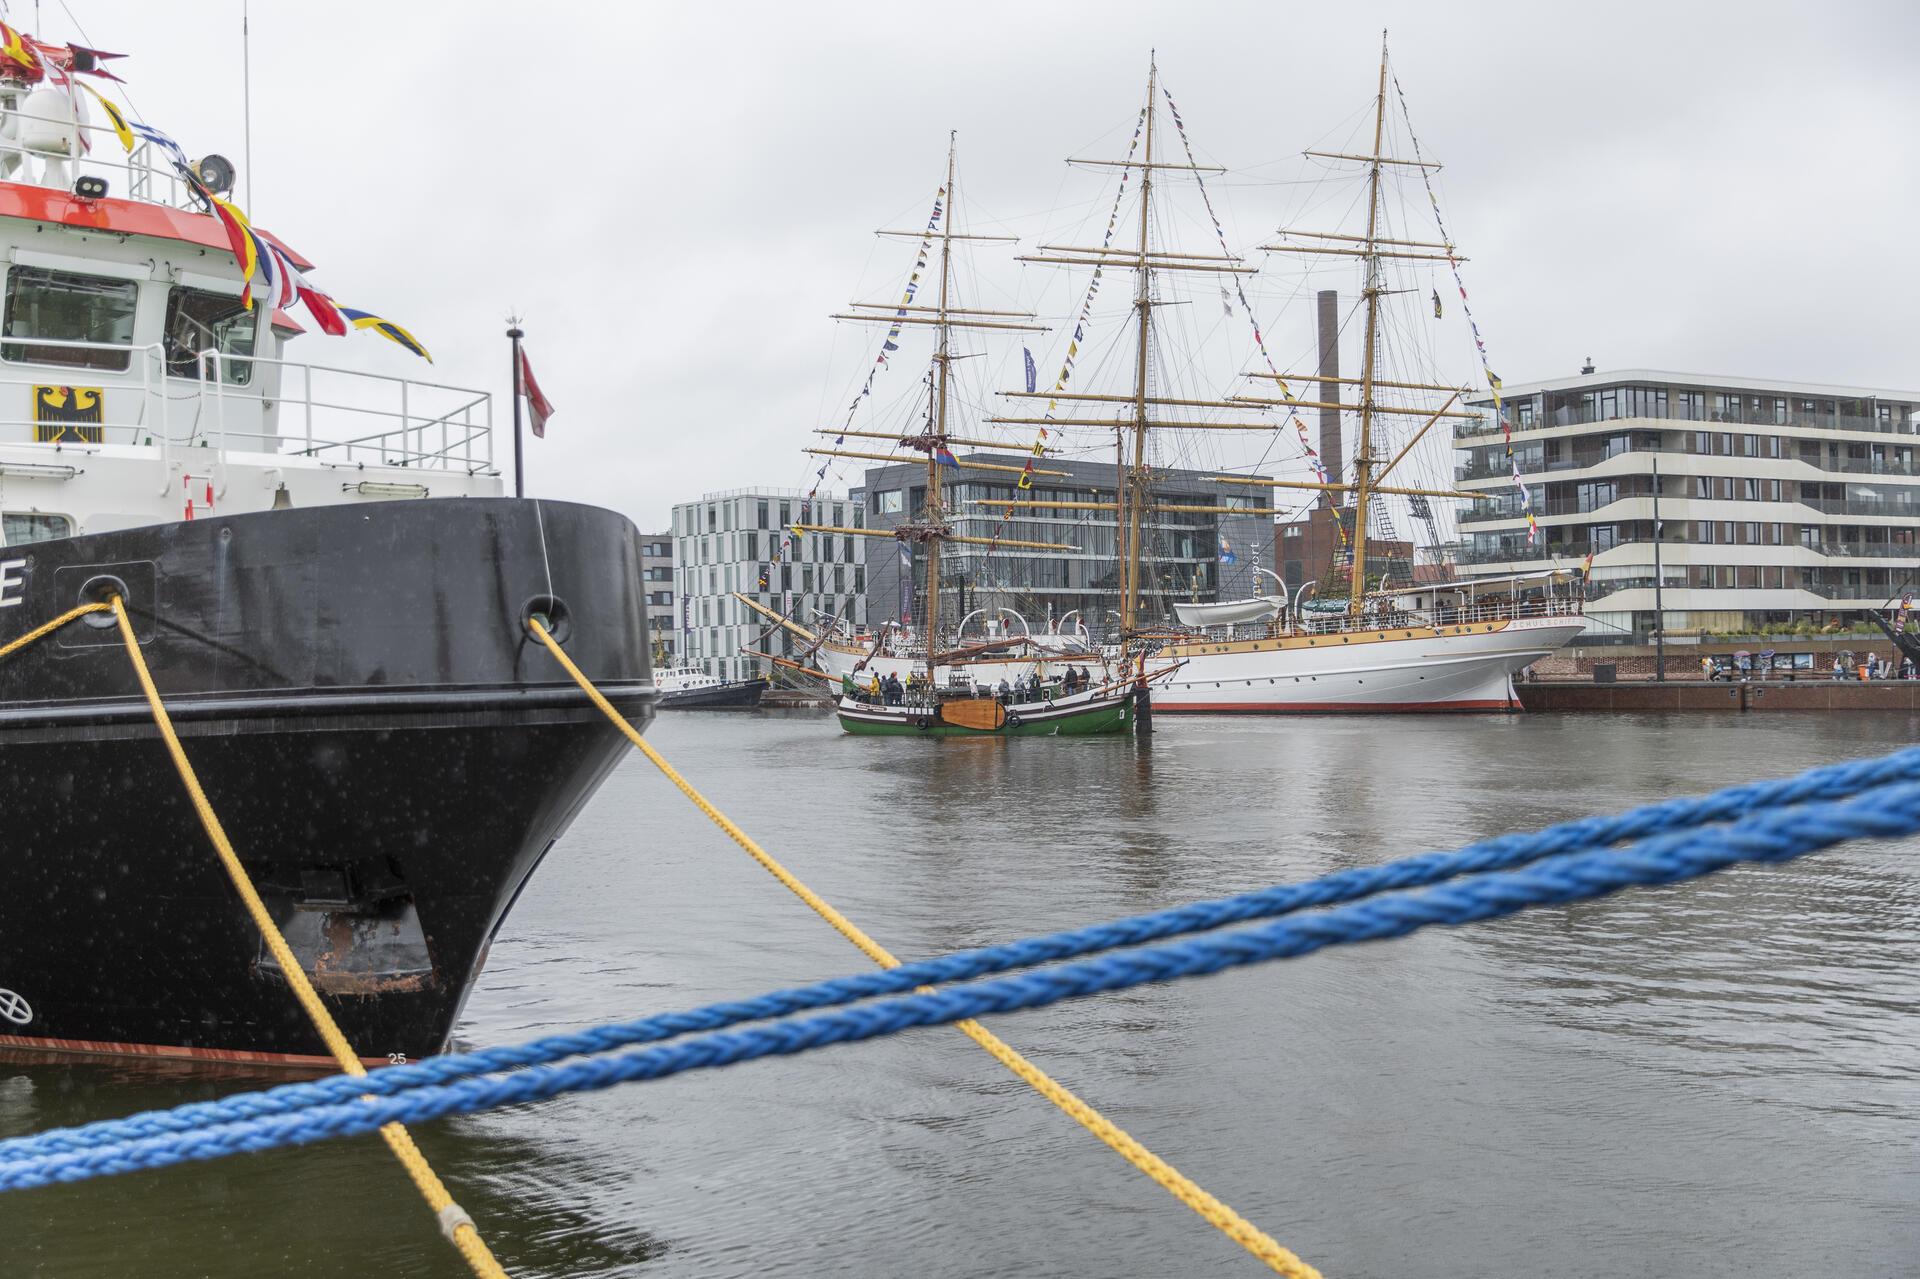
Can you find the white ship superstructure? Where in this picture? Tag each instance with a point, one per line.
(136, 388)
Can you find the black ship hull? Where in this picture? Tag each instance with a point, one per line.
(741, 694)
(390, 751)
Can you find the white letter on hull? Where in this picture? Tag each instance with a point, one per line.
(11, 583)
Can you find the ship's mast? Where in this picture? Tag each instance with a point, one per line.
(1135, 480)
(936, 517)
(1372, 249)
(1133, 413)
(1363, 460)
(933, 526)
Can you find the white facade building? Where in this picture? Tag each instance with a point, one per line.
(1778, 501)
(726, 542)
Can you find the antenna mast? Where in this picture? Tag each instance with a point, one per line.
(246, 96)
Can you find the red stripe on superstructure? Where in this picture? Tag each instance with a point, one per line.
(123, 217)
(1332, 708)
(170, 1052)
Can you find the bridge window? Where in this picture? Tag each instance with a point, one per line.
(200, 321)
(17, 528)
(64, 306)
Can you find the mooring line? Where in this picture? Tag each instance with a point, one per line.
(232, 1126)
(45, 629)
(454, 1223)
(1828, 782)
(1178, 1184)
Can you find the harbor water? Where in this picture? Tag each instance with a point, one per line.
(1719, 1078)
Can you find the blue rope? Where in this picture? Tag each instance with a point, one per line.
(1885, 812)
(1835, 781)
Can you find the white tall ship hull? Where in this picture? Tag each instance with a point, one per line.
(1422, 668)
(1467, 667)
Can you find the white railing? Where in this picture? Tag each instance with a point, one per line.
(146, 174)
(420, 409)
(343, 417)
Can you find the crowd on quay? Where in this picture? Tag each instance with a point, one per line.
(890, 690)
(1869, 666)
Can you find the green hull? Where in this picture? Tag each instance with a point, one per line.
(1105, 717)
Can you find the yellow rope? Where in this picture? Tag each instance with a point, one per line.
(454, 1223)
(1176, 1183)
(41, 632)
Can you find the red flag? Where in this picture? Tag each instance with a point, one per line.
(323, 311)
(538, 406)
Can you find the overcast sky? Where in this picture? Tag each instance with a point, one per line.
(675, 197)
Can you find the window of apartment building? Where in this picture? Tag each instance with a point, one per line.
(1523, 414)
(1724, 444)
(1691, 405)
(713, 518)
(846, 549)
(806, 579)
(1726, 407)
(762, 504)
(889, 502)
(785, 514)
(1703, 442)
(859, 580)
(786, 577)
(1750, 490)
(1633, 401)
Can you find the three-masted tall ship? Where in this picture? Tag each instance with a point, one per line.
(1437, 647)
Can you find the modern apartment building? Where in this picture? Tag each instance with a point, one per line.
(726, 542)
(1189, 555)
(656, 578)
(1778, 501)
